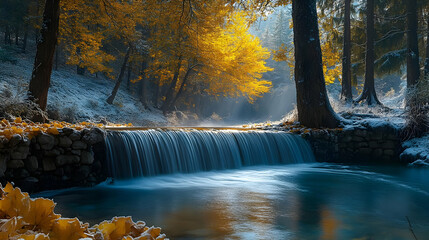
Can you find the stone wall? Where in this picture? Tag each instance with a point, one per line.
(369, 144)
(52, 161)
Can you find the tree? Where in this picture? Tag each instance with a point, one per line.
(368, 94)
(314, 109)
(346, 83)
(427, 49)
(413, 67)
(41, 76)
(120, 77)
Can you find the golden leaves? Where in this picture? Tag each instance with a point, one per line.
(34, 219)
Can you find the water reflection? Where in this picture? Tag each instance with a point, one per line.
(285, 202)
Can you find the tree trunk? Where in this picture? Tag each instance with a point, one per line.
(24, 43)
(129, 77)
(346, 84)
(142, 86)
(427, 51)
(314, 109)
(41, 76)
(413, 67)
(156, 95)
(182, 86)
(120, 77)
(56, 58)
(17, 35)
(172, 88)
(7, 35)
(368, 94)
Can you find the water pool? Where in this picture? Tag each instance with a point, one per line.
(302, 201)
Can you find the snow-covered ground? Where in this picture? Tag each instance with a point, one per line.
(417, 150)
(84, 97)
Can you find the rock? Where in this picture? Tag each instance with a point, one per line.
(419, 163)
(18, 155)
(65, 142)
(48, 164)
(363, 144)
(95, 135)
(86, 157)
(365, 151)
(357, 139)
(21, 173)
(389, 152)
(14, 164)
(79, 145)
(67, 131)
(361, 133)
(31, 179)
(31, 164)
(15, 140)
(390, 145)
(3, 160)
(46, 141)
(75, 136)
(378, 152)
(66, 159)
(81, 173)
(76, 152)
(373, 144)
(52, 153)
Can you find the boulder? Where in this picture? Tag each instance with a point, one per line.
(3, 161)
(31, 164)
(86, 157)
(65, 142)
(82, 173)
(48, 164)
(95, 135)
(14, 164)
(46, 141)
(75, 136)
(66, 159)
(15, 140)
(79, 145)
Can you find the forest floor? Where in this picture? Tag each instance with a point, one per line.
(74, 97)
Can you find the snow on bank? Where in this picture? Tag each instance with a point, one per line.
(416, 151)
(82, 96)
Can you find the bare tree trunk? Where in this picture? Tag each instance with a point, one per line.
(129, 76)
(413, 67)
(172, 88)
(24, 43)
(7, 35)
(120, 77)
(156, 95)
(346, 84)
(314, 109)
(17, 35)
(427, 50)
(56, 58)
(41, 77)
(368, 94)
(142, 86)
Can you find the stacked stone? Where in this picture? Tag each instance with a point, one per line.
(52, 161)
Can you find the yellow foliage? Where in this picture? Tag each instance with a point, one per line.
(34, 219)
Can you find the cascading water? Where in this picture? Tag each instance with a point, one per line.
(133, 154)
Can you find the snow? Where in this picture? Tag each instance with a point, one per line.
(84, 95)
(417, 150)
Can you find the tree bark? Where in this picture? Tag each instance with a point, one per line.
(17, 35)
(24, 42)
(142, 86)
(413, 67)
(368, 94)
(427, 50)
(120, 77)
(314, 109)
(7, 35)
(129, 76)
(41, 76)
(346, 84)
(172, 88)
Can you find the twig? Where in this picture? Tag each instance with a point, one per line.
(411, 228)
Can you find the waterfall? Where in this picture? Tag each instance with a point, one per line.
(133, 154)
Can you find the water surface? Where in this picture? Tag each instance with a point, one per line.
(303, 201)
